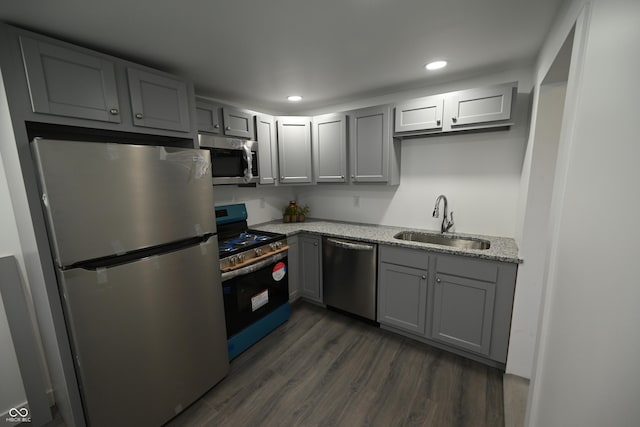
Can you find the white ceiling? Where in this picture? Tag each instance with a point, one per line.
(257, 52)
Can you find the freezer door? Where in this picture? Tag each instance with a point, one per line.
(103, 199)
(148, 337)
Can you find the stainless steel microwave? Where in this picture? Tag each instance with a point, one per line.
(233, 161)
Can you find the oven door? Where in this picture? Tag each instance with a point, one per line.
(254, 291)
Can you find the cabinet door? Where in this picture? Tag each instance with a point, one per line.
(311, 260)
(369, 141)
(329, 140)
(294, 267)
(66, 82)
(419, 114)
(294, 149)
(267, 149)
(402, 297)
(463, 312)
(158, 101)
(208, 117)
(238, 123)
(476, 106)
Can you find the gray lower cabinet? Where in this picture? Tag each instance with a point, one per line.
(267, 149)
(373, 155)
(329, 141)
(158, 101)
(208, 117)
(238, 123)
(294, 150)
(460, 303)
(310, 253)
(294, 267)
(67, 82)
(402, 288)
(463, 312)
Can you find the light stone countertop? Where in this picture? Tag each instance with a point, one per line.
(501, 249)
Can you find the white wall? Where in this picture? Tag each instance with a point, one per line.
(586, 368)
(478, 172)
(537, 184)
(264, 204)
(12, 392)
(17, 238)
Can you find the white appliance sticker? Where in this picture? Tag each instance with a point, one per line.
(259, 300)
(279, 271)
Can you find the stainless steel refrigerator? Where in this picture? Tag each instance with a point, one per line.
(133, 235)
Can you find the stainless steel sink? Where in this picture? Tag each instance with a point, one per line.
(436, 239)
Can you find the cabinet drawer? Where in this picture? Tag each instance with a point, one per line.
(467, 267)
(403, 256)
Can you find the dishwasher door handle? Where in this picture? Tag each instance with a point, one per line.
(349, 245)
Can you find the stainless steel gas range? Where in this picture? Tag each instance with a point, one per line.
(255, 280)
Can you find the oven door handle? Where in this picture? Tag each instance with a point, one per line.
(228, 275)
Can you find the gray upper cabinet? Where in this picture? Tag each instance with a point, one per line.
(402, 288)
(373, 156)
(419, 114)
(294, 150)
(329, 140)
(310, 269)
(480, 106)
(238, 123)
(67, 82)
(471, 109)
(208, 117)
(267, 149)
(158, 101)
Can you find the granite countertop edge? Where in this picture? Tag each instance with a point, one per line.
(502, 248)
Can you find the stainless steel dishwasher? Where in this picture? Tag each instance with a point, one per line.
(349, 276)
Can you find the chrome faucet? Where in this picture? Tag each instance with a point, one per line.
(447, 220)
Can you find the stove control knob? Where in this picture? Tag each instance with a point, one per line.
(278, 245)
(233, 260)
(241, 258)
(258, 251)
(273, 246)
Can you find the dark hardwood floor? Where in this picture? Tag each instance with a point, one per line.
(325, 369)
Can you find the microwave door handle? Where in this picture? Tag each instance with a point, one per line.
(248, 157)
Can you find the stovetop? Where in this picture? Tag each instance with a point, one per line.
(239, 245)
(246, 240)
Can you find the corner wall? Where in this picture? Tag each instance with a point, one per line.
(586, 371)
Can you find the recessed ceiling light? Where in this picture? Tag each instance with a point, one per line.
(294, 98)
(436, 65)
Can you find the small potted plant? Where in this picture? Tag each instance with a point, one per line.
(302, 212)
(290, 213)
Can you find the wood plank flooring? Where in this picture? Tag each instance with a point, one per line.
(322, 368)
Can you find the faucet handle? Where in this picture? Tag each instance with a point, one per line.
(449, 222)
